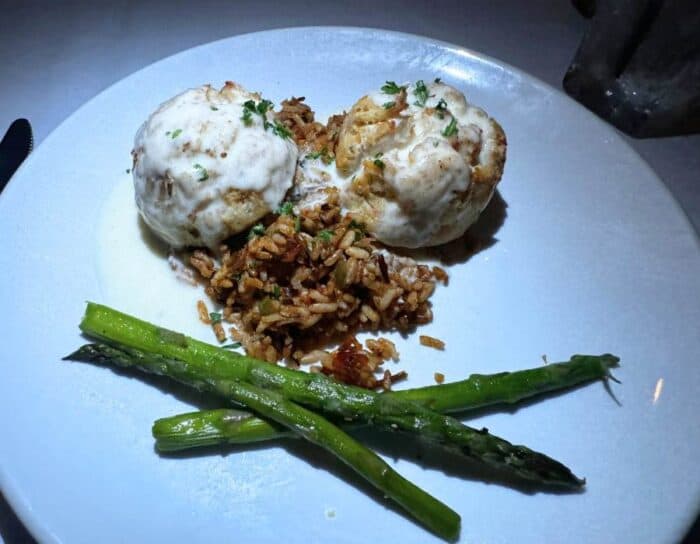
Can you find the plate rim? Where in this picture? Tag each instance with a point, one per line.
(14, 496)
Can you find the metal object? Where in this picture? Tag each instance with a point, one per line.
(14, 148)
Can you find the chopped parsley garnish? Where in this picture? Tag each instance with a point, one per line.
(128, 170)
(421, 92)
(450, 129)
(215, 317)
(359, 229)
(257, 230)
(213, 108)
(378, 161)
(286, 208)
(175, 133)
(234, 345)
(276, 291)
(437, 80)
(203, 174)
(250, 107)
(388, 105)
(263, 107)
(390, 87)
(324, 155)
(441, 108)
(325, 235)
(357, 225)
(297, 224)
(280, 130)
(248, 111)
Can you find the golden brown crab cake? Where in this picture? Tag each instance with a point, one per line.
(209, 163)
(421, 162)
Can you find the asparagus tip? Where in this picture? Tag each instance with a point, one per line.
(84, 353)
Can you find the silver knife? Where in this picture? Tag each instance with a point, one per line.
(14, 148)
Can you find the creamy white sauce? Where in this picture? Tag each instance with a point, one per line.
(194, 150)
(312, 179)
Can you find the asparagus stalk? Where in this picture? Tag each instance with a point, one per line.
(340, 400)
(212, 428)
(480, 390)
(227, 426)
(432, 513)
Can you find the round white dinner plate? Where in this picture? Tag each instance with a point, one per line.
(593, 256)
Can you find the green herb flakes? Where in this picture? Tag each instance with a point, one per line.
(359, 228)
(280, 130)
(213, 108)
(390, 87)
(202, 172)
(234, 345)
(175, 133)
(388, 105)
(248, 111)
(257, 230)
(286, 208)
(378, 161)
(357, 225)
(441, 108)
(263, 107)
(325, 236)
(324, 155)
(215, 317)
(450, 129)
(421, 93)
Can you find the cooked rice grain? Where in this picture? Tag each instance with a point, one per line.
(431, 342)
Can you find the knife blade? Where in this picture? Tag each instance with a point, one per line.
(14, 148)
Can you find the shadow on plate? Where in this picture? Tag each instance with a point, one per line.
(153, 243)
(480, 236)
(542, 397)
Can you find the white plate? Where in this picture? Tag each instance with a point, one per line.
(594, 256)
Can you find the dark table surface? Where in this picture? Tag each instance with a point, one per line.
(57, 55)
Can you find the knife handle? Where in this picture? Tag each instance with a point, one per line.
(14, 148)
